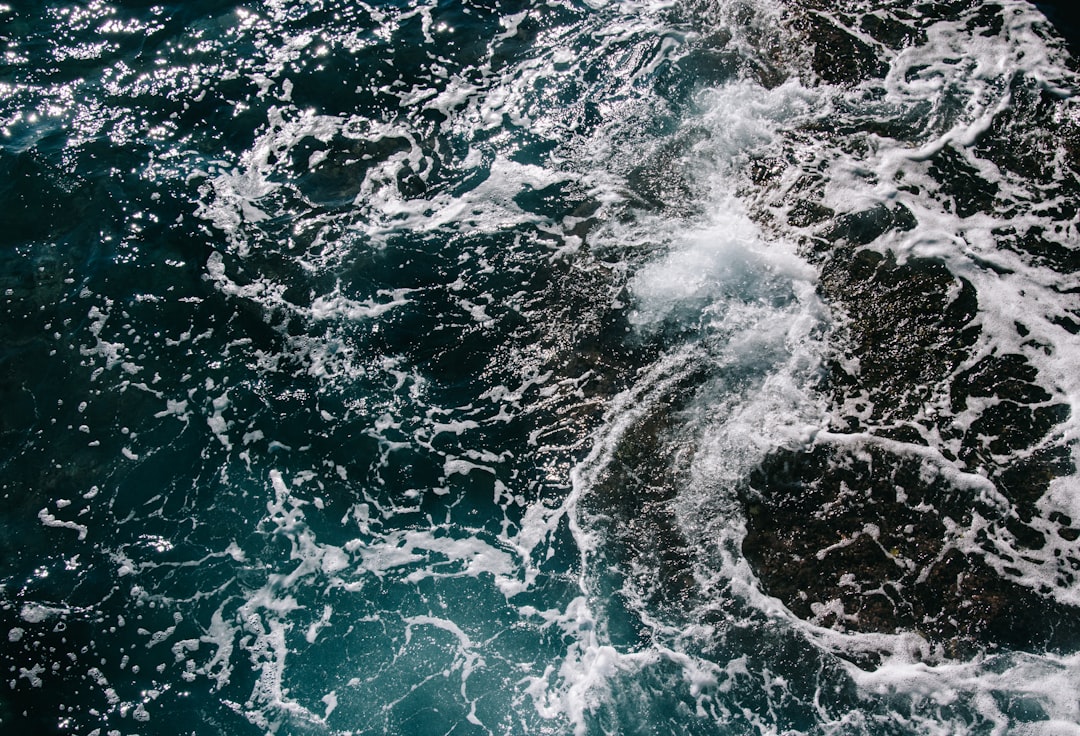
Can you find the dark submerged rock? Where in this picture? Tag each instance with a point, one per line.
(909, 327)
(861, 539)
(861, 534)
(839, 57)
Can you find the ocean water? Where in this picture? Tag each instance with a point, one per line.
(567, 367)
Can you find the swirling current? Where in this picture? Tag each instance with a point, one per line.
(566, 367)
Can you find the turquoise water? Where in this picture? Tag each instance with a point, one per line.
(423, 368)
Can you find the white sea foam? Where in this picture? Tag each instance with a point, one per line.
(1045, 682)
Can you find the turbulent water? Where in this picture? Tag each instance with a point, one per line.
(642, 367)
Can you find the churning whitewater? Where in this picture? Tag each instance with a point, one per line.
(566, 367)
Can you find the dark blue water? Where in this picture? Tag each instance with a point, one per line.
(520, 368)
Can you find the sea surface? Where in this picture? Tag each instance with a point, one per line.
(568, 367)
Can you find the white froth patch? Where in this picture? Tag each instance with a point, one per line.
(695, 273)
(458, 466)
(743, 117)
(48, 519)
(233, 197)
(338, 306)
(458, 427)
(704, 272)
(755, 305)
(314, 629)
(1047, 728)
(35, 613)
(489, 207)
(471, 556)
(1047, 680)
(331, 702)
(582, 682)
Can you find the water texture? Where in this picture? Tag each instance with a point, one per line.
(644, 367)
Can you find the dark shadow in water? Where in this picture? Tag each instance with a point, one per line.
(1064, 15)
